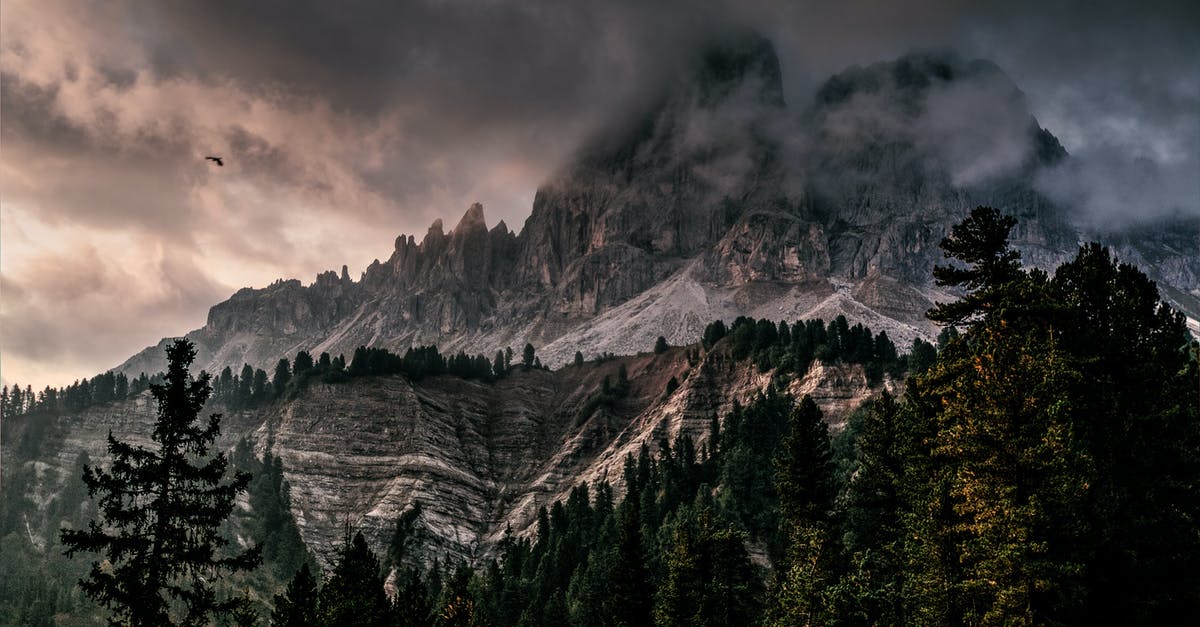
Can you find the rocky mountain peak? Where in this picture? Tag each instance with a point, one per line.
(715, 201)
(909, 79)
(960, 127)
(472, 220)
(729, 63)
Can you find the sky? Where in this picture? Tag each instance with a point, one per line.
(346, 124)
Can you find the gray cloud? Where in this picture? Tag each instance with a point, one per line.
(345, 124)
(74, 312)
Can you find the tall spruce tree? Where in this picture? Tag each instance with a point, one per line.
(872, 516)
(804, 481)
(161, 511)
(1143, 435)
(980, 242)
(353, 594)
(632, 596)
(1020, 475)
(998, 535)
(709, 579)
(297, 606)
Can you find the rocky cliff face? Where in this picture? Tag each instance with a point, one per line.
(714, 200)
(480, 458)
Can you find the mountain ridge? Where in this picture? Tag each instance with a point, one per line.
(715, 201)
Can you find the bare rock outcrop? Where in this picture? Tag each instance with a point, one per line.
(480, 458)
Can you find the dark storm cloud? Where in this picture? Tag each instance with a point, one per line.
(1119, 78)
(346, 123)
(474, 61)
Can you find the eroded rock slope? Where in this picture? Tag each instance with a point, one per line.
(479, 457)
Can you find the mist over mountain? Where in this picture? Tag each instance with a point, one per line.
(711, 199)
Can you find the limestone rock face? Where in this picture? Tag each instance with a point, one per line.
(479, 458)
(714, 199)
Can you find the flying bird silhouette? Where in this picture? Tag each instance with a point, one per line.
(217, 160)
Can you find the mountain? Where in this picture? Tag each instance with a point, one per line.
(715, 200)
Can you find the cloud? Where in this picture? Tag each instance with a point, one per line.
(67, 313)
(980, 128)
(1111, 189)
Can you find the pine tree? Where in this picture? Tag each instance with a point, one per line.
(283, 374)
(1142, 433)
(632, 597)
(804, 472)
(709, 579)
(273, 525)
(872, 516)
(161, 512)
(498, 364)
(353, 594)
(297, 606)
(1007, 429)
(261, 388)
(804, 481)
(411, 606)
(302, 364)
(981, 242)
(660, 345)
(245, 387)
(1001, 538)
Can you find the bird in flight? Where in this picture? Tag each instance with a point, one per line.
(217, 160)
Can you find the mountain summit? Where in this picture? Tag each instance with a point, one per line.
(712, 200)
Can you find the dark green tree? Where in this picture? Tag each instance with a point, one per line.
(272, 524)
(921, 356)
(713, 333)
(981, 242)
(353, 594)
(283, 374)
(297, 606)
(631, 596)
(245, 387)
(997, 536)
(660, 345)
(804, 481)
(1019, 476)
(498, 364)
(1143, 435)
(161, 512)
(709, 579)
(303, 363)
(261, 388)
(873, 529)
(411, 607)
